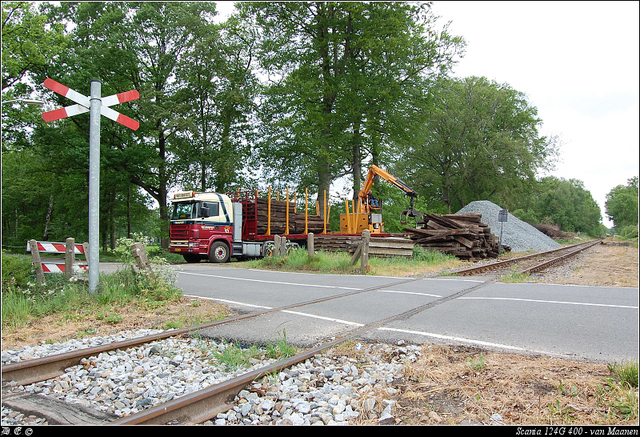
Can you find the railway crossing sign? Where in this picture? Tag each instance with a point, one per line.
(83, 104)
(96, 105)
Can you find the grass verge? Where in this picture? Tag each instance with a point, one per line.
(60, 309)
(423, 261)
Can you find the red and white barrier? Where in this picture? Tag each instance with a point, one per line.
(60, 268)
(50, 247)
(53, 247)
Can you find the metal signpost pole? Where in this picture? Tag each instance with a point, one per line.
(94, 184)
(502, 218)
(95, 105)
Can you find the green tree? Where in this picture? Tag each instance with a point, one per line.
(569, 205)
(145, 46)
(621, 205)
(219, 88)
(340, 80)
(479, 142)
(29, 42)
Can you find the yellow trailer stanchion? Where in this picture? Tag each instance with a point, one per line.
(324, 231)
(269, 213)
(306, 206)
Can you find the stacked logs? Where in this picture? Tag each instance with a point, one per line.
(461, 235)
(279, 219)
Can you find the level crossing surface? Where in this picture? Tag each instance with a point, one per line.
(591, 323)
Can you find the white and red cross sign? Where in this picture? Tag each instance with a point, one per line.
(83, 105)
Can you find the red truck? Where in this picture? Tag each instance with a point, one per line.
(219, 226)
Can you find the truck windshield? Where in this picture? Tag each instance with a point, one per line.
(187, 211)
(182, 211)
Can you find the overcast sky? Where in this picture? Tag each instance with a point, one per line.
(578, 64)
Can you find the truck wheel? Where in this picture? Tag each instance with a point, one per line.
(219, 252)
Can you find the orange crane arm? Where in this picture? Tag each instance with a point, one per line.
(377, 171)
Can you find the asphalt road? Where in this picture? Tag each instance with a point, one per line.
(593, 323)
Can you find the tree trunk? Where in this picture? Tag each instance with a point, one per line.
(162, 191)
(357, 159)
(45, 233)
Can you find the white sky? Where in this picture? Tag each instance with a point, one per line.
(577, 62)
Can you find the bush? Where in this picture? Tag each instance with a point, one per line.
(629, 232)
(24, 299)
(16, 270)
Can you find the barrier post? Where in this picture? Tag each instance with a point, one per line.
(35, 255)
(310, 248)
(69, 257)
(366, 237)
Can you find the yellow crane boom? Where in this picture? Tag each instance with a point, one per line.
(365, 217)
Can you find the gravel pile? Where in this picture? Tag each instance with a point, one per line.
(518, 235)
(323, 390)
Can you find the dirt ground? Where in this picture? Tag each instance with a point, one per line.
(448, 385)
(467, 386)
(605, 265)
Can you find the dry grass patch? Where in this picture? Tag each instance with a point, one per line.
(459, 385)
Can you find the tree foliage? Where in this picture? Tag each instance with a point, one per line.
(343, 77)
(480, 141)
(296, 94)
(622, 204)
(195, 89)
(29, 42)
(561, 202)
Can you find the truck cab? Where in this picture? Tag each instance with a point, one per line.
(202, 226)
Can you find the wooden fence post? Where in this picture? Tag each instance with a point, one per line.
(276, 245)
(140, 254)
(85, 248)
(310, 248)
(35, 255)
(356, 254)
(69, 257)
(366, 237)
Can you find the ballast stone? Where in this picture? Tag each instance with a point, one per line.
(517, 234)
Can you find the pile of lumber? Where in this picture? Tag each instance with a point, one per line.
(279, 218)
(382, 247)
(461, 235)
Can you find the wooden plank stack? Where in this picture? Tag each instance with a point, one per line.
(279, 218)
(461, 235)
(378, 246)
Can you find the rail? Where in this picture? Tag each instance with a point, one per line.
(506, 263)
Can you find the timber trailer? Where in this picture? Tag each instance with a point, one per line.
(216, 226)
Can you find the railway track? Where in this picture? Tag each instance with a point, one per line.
(204, 404)
(553, 259)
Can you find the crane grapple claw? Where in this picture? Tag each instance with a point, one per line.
(404, 215)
